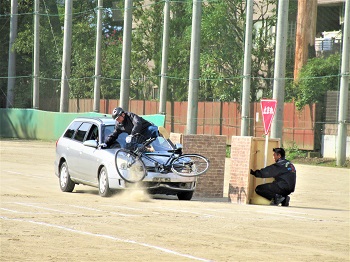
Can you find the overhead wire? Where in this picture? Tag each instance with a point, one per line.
(169, 76)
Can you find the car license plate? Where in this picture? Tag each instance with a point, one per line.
(161, 179)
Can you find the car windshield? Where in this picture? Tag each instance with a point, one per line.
(160, 144)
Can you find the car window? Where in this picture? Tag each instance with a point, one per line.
(93, 133)
(80, 135)
(121, 139)
(107, 131)
(71, 129)
(161, 144)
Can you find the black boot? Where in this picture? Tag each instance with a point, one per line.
(277, 200)
(285, 202)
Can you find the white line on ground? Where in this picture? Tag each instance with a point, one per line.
(124, 207)
(124, 215)
(45, 208)
(87, 208)
(23, 212)
(107, 237)
(288, 215)
(190, 212)
(99, 210)
(27, 175)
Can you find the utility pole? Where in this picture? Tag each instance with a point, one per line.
(344, 90)
(126, 56)
(36, 56)
(247, 69)
(280, 68)
(97, 83)
(165, 49)
(67, 46)
(192, 112)
(305, 34)
(11, 71)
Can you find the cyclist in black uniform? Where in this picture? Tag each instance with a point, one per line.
(131, 124)
(285, 178)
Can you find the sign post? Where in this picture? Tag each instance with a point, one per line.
(268, 109)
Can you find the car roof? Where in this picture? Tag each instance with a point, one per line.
(102, 120)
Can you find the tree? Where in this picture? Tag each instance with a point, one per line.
(315, 78)
(222, 47)
(221, 59)
(23, 58)
(51, 41)
(83, 51)
(222, 42)
(146, 48)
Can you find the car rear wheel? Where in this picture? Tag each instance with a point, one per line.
(66, 184)
(185, 195)
(103, 184)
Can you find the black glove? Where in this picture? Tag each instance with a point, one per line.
(252, 172)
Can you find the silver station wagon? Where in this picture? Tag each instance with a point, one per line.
(80, 159)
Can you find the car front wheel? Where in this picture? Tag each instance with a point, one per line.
(66, 184)
(185, 195)
(103, 184)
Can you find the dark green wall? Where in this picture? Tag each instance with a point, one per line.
(43, 125)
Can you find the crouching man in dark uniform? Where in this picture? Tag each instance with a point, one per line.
(284, 173)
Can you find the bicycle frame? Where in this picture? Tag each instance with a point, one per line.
(166, 167)
(167, 160)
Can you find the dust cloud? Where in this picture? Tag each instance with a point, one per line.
(135, 193)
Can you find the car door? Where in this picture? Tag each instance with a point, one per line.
(88, 161)
(76, 150)
(68, 147)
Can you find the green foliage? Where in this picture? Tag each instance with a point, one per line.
(263, 50)
(51, 42)
(146, 47)
(221, 52)
(315, 78)
(179, 51)
(294, 152)
(228, 151)
(221, 60)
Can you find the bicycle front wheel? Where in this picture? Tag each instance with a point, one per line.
(129, 166)
(190, 165)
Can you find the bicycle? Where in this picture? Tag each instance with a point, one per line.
(131, 167)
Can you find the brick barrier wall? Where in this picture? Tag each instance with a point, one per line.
(241, 147)
(248, 153)
(210, 184)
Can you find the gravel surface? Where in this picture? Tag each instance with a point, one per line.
(41, 223)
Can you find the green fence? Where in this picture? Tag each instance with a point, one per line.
(43, 125)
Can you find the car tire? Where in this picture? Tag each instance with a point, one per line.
(103, 184)
(66, 184)
(185, 195)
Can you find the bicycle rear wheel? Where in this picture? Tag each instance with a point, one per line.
(129, 166)
(190, 165)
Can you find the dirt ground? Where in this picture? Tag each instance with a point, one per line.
(41, 223)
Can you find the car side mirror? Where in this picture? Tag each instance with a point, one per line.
(178, 146)
(91, 143)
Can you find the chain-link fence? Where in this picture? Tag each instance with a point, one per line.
(313, 51)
